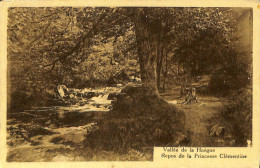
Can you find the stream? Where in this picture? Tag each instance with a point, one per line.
(55, 127)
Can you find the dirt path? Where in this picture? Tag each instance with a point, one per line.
(199, 118)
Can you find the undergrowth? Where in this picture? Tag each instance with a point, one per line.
(238, 113)
(138, 122)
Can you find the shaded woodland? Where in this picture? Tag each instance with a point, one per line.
(136, 65)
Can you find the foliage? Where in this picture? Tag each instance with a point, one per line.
(234, 69)
(238, 114)
(108, 63)
(82, 47)
(52, 46)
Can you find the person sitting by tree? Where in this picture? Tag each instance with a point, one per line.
(194, 95)
(191, 96)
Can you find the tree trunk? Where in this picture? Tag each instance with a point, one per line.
(165, 72)
(147, 48)
(159, 66)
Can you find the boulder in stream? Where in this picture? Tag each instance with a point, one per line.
(62, 90)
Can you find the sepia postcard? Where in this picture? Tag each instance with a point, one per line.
(130, 83)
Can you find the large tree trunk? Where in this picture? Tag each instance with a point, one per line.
(147, 48)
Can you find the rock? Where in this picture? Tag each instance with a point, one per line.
(79, 94)
(34, 131)
(90, 127)
(132, 88)
(135, 80)
(213, 130)
(61, 158)
(220, 131)
(220, 141)
(112, 96)
(37, 138)
(62, 90)
(181, 139)
(138, 80)
(119, 85)
(57, 140)
(72, 96)
(232, 143)
(131, 78)
(10, 142)
(48, 122)
(85, 90)
(111, 90)
(173, 102)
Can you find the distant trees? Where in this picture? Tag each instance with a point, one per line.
(196, 38)
(77, 46)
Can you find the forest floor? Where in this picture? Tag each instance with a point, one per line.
(62, 140)
(200, 117)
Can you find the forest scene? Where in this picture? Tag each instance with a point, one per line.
(109, 84)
